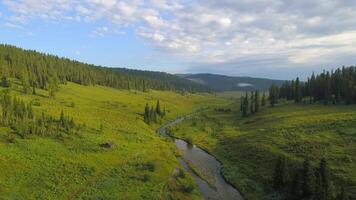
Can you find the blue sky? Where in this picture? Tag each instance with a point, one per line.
(264, 38)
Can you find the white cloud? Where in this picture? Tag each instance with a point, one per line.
(214, 31)
(100, 31)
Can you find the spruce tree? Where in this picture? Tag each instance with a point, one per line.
(146, 115)
(252, 101)
(158, 108)
(273, 95)
(263, 101)
(325, 182)
(308, 179)
(245, 106)
(257, 101)
(280, 176)
(297, 91)
(295, 191)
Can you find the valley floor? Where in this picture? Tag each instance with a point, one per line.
(249, 147)
(138, 165)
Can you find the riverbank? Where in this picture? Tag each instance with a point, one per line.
(203, 167)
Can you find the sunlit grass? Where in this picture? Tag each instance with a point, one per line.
(76, 167)
(248, 147)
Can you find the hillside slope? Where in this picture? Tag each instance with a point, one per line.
(43, 70)
(112, 154)
(229, 83)
(249, 147)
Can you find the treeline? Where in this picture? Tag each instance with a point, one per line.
(307, 183)
(19, 116)
(47, 72)
(250, 104)
(336, 87)
(153, 114)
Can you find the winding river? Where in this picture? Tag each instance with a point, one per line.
(211, 183)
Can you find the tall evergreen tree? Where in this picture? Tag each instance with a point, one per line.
(245, 106)
(263, 101)
(273, 95)
(308, 179)
(252, 101)
(158, 108)
(296, 191)
(298, 91)
(280, 176)
(257, 101)
(147, 114)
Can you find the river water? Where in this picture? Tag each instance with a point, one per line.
(212, 186)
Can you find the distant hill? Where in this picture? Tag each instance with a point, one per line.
(229, 83)
(43, 70)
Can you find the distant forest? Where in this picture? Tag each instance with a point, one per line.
(336, 87)
(47, 72)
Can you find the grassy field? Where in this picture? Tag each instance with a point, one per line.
(249, 147)
(141, 165)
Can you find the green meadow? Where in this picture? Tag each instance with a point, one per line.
(249, 147)
(138, 165)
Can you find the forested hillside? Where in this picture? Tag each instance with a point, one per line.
(336, 87)
(47, 71)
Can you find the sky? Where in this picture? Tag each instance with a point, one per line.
(278, 39)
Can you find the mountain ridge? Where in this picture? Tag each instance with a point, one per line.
(222, 83)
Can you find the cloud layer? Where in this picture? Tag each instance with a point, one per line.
(217, 33)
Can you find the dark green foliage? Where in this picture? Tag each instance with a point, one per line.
(4, 82)
(308, 183)
(151, 115)
(342, 195)
(297, 91)
(47, 72)
(257, 101)
(280, 176)
(263, 101)
(308, 179)
(250, 104)
(295, 191)
(252, 107)
(335, 87)
(146, 115)
(244, 106)
(158, 109)
(273, 95)
(19, 116)
(323, 174)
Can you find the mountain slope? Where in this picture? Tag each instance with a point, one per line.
(228, 83)
(77, 164)
(43, 71)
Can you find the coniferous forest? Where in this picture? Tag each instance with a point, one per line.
(329, 87)
(47, 72)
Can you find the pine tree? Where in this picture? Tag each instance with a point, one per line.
(323, 186)
(245, 106)
(273, 95)
(296, 188)
(297, 91)
(263, 101)
(280, 176)
(25, 81)
(257, 101)
(325, 182)
(158, 108)
(342, 195)
(308, 179)
(146, 115)
(62, 119)
(252, 101)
